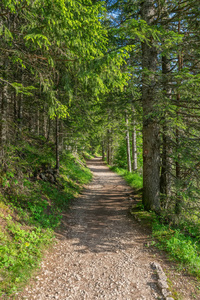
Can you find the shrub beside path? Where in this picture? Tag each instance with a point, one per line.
(100, 251)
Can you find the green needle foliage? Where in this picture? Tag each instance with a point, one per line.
(115, 77)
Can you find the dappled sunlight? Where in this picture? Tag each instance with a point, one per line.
(99, 213)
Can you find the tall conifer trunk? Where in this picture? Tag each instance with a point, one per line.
(48, 128)
(151, 142)
(38, 122)
(15, 110)
(20, 108)
(4, 108)
(45, 121)
(4, 96)
(57, 145)
(165, 179)
(108, 146)
(134, 143)
(61, 136)
(178, 204)
(3, 125)
(128, 145)
(103, 149)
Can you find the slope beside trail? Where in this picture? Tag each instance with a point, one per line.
(100, 252)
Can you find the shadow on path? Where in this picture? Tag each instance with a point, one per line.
(98, 221)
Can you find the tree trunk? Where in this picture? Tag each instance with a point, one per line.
(57, 145)
(178, 204)
(45, 122)
(134, 144)
(108, 147)
(38, 122)
(166, 169)
(128, 144)
(20, 108)
(48, 128)
(61, 136)
(151, 142)
(20, 113)
(4, 98)
(31, 121)
(111, 147)
(103, 149)
(3, 125)
(15, 110)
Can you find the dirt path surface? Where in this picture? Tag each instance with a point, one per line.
(100, 251)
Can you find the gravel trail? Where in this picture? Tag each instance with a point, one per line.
(100, 251)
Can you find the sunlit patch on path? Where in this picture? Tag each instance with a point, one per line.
(100, 251)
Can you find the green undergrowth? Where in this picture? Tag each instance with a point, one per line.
(133, 179)
(181, 246)
(31, 209)
(86, 156)
(181, 241)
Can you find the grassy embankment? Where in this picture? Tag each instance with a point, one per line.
(31, 207)
(181, 242)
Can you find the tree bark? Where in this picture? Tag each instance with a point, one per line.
(15, 110)
(108, 147)
(20, 108)
(178, 204)
(4, 105)
(128, 144)
(111, 147)
(103, 149)
(48, 128)
(61, 136)
(45, 122)
(151, 142)
(166, 166)
(134, 143)
(38, 122)
(57, 145)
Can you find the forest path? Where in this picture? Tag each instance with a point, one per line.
(100, 252)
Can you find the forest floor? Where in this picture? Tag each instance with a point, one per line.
(101, 251)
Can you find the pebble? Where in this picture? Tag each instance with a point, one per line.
(101, 255)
